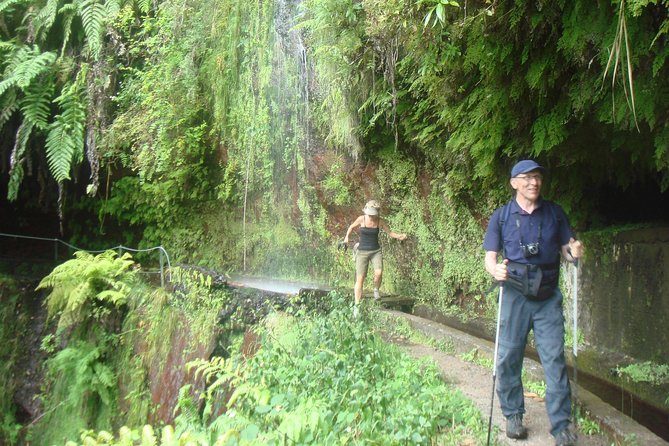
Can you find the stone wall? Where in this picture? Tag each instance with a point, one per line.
(624, 292)
(623, 304)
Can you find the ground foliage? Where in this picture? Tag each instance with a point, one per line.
(331, 381)
(110, 351)
(331, 378)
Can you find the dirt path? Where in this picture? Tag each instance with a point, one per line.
(475, 382)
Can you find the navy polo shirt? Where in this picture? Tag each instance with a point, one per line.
(547, 225)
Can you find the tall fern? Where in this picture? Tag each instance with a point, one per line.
(36, 103)
(25, 64)
(83, 287)
(93, 16)
(65, 141)
(45, 19)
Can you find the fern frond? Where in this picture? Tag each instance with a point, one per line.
(144, 6)
(15, 179)
(68, 13)
(113, 7)
(8, 105)
(36, 63)
(24, 65)
(45, 18)
(7, 48)
(20, 143)
(93, 16)
(8, 3)
(6, 84)
(36, 104)
(60, 149)
(17, 54)
(65, 141)
(86, 282)
(148, 436)
(81, 366)
(16, 160)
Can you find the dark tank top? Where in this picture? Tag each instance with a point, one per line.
(369, 238)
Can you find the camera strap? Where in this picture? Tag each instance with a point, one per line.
(519, 233)
(505, 213)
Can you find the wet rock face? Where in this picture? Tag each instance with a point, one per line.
(167, 375)
(24, 322)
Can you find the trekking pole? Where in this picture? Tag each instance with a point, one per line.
(574, 291)
(494, 361)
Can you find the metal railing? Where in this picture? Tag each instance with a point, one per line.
(164, 257)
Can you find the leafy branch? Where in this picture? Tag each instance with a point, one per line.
(620, 57)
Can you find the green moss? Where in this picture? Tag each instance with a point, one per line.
(13, 324)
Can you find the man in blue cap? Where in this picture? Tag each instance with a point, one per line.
(531, 233)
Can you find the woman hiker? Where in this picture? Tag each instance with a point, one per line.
(368, 248)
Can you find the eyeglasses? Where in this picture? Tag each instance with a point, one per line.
(527, 178)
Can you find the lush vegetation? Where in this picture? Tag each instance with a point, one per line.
(331, 382)
(112, 344)
(245, 136)
(118, 351)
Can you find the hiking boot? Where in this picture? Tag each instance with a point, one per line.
(565, 438)
(377, 295)
(515, 428)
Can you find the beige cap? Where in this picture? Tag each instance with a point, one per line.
(371, 208)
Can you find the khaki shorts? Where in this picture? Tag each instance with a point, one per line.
(363, 259)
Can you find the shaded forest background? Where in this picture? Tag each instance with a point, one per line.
(246, 136)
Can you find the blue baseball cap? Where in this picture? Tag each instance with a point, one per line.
(525, 166)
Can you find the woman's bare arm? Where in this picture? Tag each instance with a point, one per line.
(386, 229)
(355, 224)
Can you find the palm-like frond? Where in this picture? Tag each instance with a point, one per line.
(113, 7)
(25, 64)
(60, 148)
(68, 12)
(8, 105)
(7, 47)
(144, 6)
(32, 66)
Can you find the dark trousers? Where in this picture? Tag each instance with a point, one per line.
(520, 315)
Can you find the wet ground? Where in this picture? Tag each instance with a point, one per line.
(277, 286)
